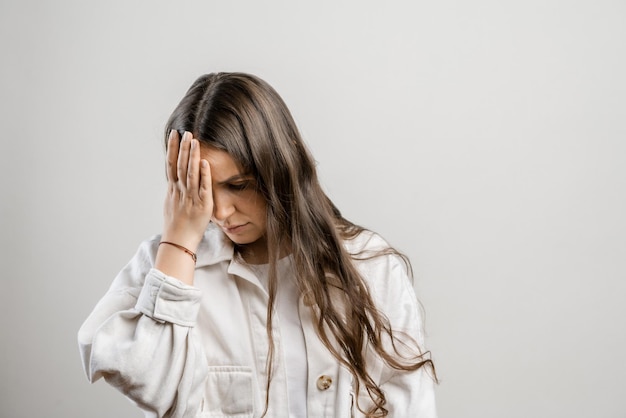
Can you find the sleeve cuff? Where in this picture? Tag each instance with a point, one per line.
(166, 299)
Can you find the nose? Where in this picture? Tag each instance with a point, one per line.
(223, 206)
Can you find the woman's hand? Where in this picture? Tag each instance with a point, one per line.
(188, 205)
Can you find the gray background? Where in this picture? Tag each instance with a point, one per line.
(486, 139)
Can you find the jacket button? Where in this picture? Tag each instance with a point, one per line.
(324, 382)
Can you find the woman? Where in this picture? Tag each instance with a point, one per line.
(259, 298)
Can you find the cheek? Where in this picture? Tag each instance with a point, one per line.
(262, 217)
(252, 204)
(258, 209)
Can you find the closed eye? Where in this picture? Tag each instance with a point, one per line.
(236, 187)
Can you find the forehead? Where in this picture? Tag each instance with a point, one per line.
(222, 164)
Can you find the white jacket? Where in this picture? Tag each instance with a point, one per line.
(200, 351)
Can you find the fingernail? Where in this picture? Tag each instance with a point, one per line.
(171, 135)
(193, 143)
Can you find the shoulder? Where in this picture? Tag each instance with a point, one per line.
(133, 273)
(376, 259)
(367, 242)
(214, 247)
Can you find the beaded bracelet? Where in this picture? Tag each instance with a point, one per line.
(180, 247)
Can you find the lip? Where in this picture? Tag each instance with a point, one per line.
(234, 229)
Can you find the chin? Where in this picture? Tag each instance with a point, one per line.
(243, 240)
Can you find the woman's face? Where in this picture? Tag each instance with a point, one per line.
(238, 208)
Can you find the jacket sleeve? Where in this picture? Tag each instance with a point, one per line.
(408, 393)
(140, 338)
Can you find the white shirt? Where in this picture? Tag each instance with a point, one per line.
(200, 351)
(286, 306)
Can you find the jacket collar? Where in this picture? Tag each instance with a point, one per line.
(214, 247)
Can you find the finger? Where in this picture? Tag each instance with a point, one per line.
(193, 174)
(172, 155)
(183, 159)
(205, 191)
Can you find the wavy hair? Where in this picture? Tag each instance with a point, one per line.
(245, 117)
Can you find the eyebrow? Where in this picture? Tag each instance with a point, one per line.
(234, 178)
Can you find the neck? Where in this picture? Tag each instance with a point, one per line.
(257, 253)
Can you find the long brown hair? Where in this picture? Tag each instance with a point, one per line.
(244, 116)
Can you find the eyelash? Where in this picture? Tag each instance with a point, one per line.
(239, 186)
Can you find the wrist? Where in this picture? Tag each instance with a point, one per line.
(181, 248)
(184, 240)
(174, 262)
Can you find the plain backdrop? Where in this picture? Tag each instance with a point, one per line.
(486, 139)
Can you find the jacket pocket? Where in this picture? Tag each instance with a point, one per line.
(228, 393)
